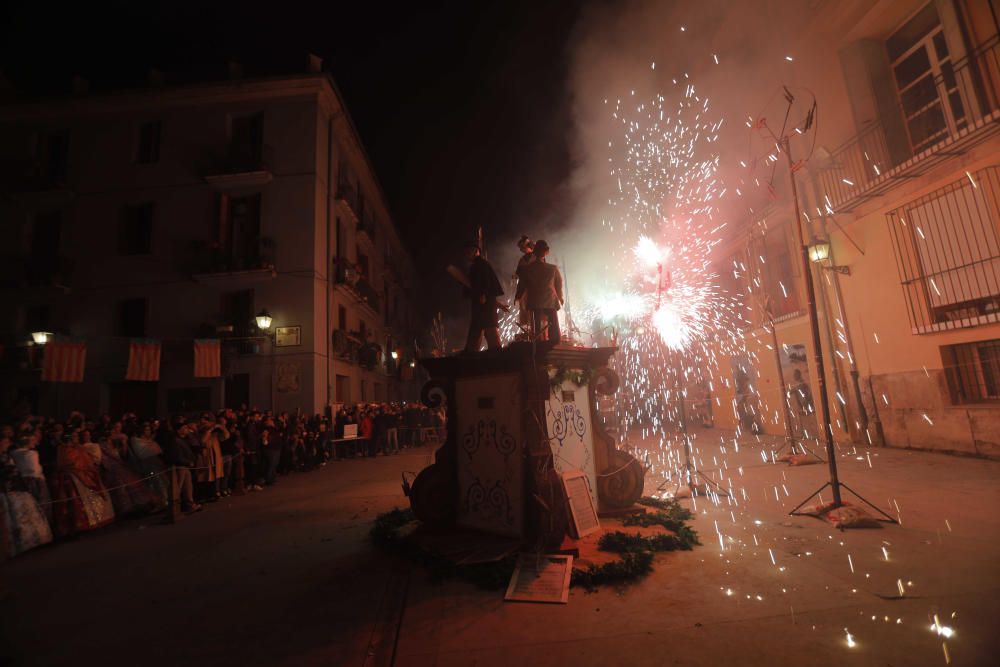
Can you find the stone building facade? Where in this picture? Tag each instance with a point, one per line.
(903, 181)
(182, 212)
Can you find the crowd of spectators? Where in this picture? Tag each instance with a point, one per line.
(61, 478)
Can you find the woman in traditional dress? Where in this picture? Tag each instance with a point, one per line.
(130, 494)
(148, 457)
(29, 466)
(119, 440)
(22, 524)
(80, 501)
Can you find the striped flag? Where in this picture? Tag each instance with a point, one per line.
(64, 361)
(143, 360)
(207, 358)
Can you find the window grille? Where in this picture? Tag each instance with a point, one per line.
(973, 371)
(947, 248)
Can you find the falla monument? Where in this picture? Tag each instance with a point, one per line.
(518, 420)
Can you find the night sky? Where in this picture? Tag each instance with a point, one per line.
(463, 108)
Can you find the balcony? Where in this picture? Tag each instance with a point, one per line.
(231, 267)
(351, 282)
(241, 166)
(957, 112)
(366, 230)
(368, 294)
(51, 271)
(347, 196)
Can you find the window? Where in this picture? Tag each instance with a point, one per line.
(973, 371)
(148, 148)
(237, 310)
(246, 142)
(46, 232)
(776, 273)
(135, 235)
(36, 318)
(341, 318)
(363, 265)
(55, 157)
(948, 253)
(132, 318)
(342, 385)
(239, 232)
(925, 78)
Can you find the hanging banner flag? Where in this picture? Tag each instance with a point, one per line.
(64, 361)
(207, 358)
(143, 360)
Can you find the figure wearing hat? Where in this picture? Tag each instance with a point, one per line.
(541, 286)
(482, 290)
(526, 246)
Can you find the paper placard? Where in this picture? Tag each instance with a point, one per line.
(581, 503)
(541, 578)
(350, 431)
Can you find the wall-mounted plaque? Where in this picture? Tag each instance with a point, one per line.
(287, 336)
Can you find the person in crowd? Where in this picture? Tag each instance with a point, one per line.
(392, 430)
(119, 440)
(179, 454)
(483, 291)
(366, 431)
(252, 456)
(23, 526)
(130, 494)
(227, 451)
(105, 468)
(232, 456)
(210, 469)
(324, 442)
(148, 458)
(541, 286)
(29, 466)
(80, 502)
(380, 424)
(270, 445)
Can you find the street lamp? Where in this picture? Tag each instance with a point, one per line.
(41, 337)
(395, 355)
(263, 320)
(819, 252)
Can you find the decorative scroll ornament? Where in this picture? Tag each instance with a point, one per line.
(621, 485)
(491, 505)
(434, 393)
(485, 434)
(432, 495)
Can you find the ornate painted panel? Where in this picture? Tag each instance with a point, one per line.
(490, 461)
(567, 418)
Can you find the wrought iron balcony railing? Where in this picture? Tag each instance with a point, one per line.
(955, 110)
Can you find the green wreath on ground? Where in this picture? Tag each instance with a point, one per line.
(636, 551)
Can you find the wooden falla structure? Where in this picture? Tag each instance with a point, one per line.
(519, 418)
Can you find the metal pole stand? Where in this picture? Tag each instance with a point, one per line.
(833, 506)
(710, 486)
(792, 443)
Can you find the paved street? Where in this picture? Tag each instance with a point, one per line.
(286, 577)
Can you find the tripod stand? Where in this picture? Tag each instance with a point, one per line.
(691, 471)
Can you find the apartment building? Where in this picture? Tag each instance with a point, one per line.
(181, 212)
(899, 189)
